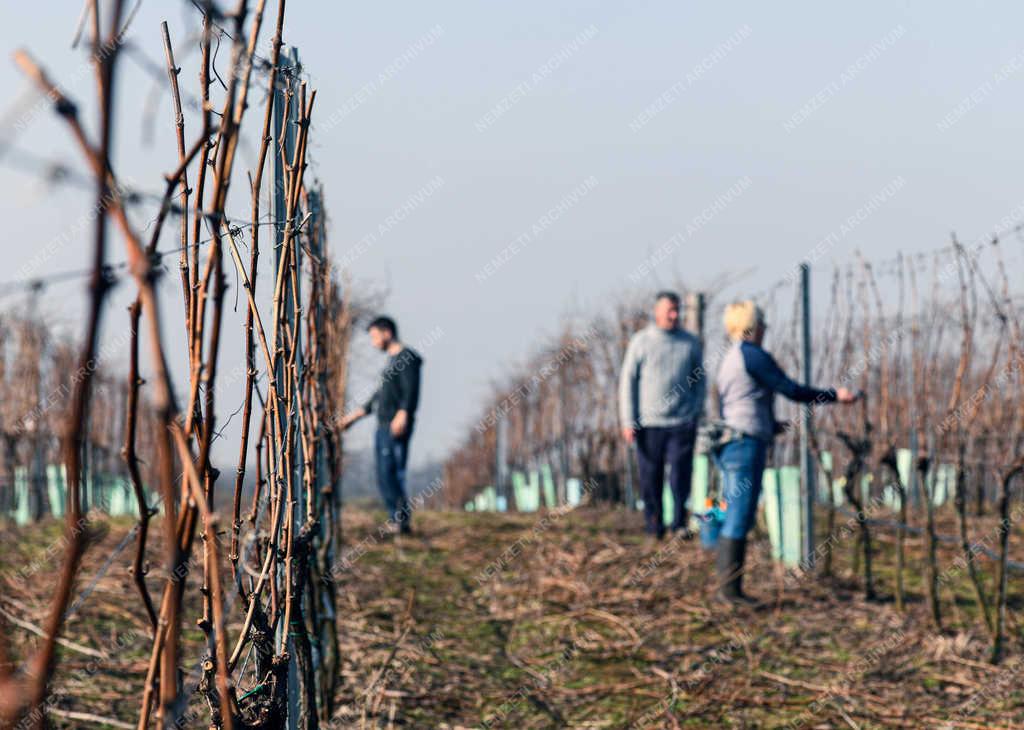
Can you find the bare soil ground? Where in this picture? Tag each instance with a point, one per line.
(571, 620)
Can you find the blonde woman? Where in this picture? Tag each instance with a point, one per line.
(748, 379)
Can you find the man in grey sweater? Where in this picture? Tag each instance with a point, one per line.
(661, 396)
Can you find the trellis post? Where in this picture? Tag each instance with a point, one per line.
(807, 472)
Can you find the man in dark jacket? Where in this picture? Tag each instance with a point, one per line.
(395, 402)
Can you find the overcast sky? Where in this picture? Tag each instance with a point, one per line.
(496, 165)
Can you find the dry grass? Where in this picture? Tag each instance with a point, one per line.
(569, 620)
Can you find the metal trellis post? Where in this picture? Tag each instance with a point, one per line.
(807, 472)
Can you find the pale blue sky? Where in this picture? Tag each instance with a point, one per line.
(562, 124)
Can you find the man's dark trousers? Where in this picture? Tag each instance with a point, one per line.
(655, 447)
(392, 452)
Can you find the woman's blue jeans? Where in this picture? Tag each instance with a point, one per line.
(741, 463)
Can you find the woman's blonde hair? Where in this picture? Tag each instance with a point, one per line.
(742, 319)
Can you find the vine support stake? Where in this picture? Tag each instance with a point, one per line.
(807, 480)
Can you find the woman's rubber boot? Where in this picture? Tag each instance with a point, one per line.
(744, 598)
(731, 555)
